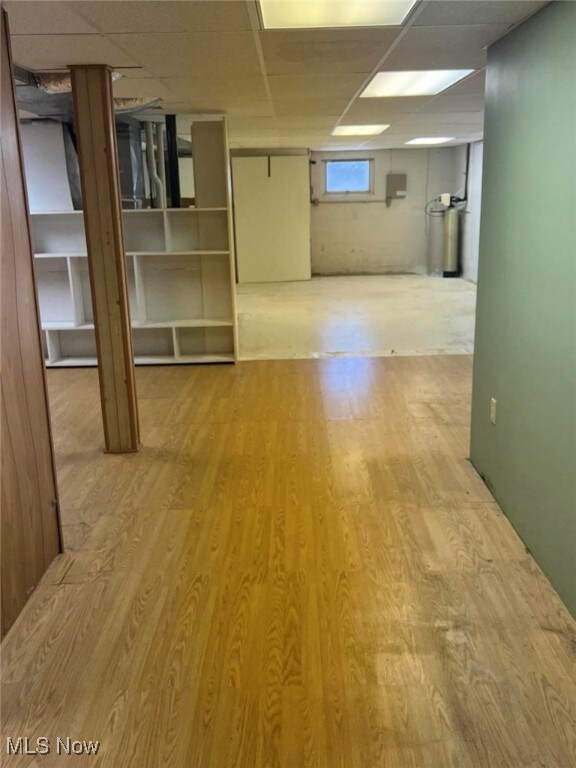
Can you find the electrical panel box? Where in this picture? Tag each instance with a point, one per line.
(396, 186)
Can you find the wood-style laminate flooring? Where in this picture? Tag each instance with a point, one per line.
(300, 568)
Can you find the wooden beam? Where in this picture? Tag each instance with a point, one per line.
(98, 158)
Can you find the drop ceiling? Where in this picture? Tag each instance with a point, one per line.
(279, 88)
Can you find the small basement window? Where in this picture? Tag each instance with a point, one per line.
(348, 176)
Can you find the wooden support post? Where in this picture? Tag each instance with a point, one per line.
(98, 159)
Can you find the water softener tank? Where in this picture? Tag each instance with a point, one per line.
(435, 249)
(451, 239)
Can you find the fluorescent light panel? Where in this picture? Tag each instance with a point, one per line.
(359, 130)
(431, 140)
(299, 14)
(425, 83)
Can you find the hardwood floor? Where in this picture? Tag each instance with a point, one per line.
(300, 568)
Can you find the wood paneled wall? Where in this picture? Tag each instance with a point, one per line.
(29, 508)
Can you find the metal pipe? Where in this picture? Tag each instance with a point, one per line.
(160, 163)
(155, 183)
(173, 169)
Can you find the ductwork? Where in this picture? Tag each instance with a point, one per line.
(49, 94)
(60, 82)
(130, 162)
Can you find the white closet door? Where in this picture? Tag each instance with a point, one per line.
(272, 218)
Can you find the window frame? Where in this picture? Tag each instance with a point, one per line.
(348, 193)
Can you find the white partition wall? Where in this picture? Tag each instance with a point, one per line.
(272, 218)
(45, 162)
(180, 275)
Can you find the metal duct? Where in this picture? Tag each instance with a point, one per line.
(160, 160)
(155, 182)
(130, 162)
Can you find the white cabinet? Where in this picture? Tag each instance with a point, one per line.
(272, 218)
(180, 266)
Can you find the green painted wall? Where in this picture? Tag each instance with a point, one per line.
(526, 321)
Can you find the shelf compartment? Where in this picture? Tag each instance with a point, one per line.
(191, 342)
(82, 296)
(65, 346)
(55, 299)
(196, 230)
(216, 287)
(152, 342)
(61, 233)
(144, 230)
(172, 287)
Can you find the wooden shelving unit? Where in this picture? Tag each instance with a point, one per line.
(180, 264)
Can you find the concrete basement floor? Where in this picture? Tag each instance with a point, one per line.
(372, 315)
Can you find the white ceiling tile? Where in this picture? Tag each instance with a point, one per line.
(321, 52)
(324, 121)
(229, 90)
(309, 107)
(164, 15)
(442, 48)
(245, 124)
(135, 72)
(290, 87)
(440, 118)
(142, 88)
(185, 108)
(449, 124)
(379, 110)
(43, 17)
(49, 52)
(339, 143)
(467, 12)
(475, 84)
(296, 124)
(187, 54)
(253, 109)
(209, 108)
(451, 103)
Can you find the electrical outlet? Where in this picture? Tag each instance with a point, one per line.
(493, 404)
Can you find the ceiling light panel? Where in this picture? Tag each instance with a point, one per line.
(359, 130)
(424, 83)
(310, 14)
(430, 140)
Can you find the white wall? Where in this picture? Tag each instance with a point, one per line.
(471, 216)
(370, 237)
(45, 167)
